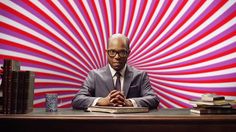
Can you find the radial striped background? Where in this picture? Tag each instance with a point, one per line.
(188, 47)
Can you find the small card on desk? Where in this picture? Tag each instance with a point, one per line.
(117, 110)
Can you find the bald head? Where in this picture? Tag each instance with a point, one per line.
(121, 37)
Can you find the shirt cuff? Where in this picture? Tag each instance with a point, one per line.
(133, 102)
(95, 101)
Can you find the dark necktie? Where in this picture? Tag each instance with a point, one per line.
(118, 85)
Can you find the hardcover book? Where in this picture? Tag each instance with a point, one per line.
(8, 67)
(20, 92)
(28, 92)
(1, 90)
(117, 110)
(212, 97)
(14, 92)
(201, 102)
(227, 106)
(17, 89)
(25, 95)
(212, 111)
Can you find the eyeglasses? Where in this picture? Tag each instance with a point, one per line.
(121, 53)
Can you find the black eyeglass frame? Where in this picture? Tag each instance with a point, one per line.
(118, 52)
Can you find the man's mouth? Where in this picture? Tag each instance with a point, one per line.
(117, 63)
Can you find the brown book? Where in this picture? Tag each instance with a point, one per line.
(4, 85)
(227, 106)
(1, 91)
(117, 110)
(14, 91)
(8, 67)
(201, 102)
(20, 92)
(28, 92)
(212, 111)
(1, 104)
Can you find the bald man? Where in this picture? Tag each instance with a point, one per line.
(116, 84)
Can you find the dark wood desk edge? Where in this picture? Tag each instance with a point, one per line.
(202, 118)
(117, 122)
(80, 115)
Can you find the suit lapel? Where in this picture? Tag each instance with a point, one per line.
(108, 79)
(127, 80)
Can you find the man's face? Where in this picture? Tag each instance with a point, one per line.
(117, 54)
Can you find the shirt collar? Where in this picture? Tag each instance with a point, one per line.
(122, 71)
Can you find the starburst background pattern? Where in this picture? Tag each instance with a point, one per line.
(187, 47)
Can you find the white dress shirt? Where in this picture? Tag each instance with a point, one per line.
(114, 77)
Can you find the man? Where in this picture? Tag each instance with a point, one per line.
(116, 84)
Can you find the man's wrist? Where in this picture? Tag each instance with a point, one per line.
(128, 103)
(133, 102)
(103, 102)
(95, 101)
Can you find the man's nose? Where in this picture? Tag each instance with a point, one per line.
(117, 56)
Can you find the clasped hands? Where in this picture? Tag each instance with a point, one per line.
(114, 98)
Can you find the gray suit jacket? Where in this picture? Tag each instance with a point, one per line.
(99, 83)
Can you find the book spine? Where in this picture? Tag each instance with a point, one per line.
(1, 90)
(14, 91)
(15, 65)
(212, 98)
(28, 92)
(20, 93)
(8, 67)
(4, 85)
(213, 111)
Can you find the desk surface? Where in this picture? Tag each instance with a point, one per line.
(161, 114)
(152, 114)
(64, 119)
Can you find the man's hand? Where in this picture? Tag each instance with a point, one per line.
(104, 101)
(128, 103)
(115, 98)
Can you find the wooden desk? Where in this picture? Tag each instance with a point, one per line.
(74, 120)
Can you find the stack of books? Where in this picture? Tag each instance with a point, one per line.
(17, 88)
(213, 104)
